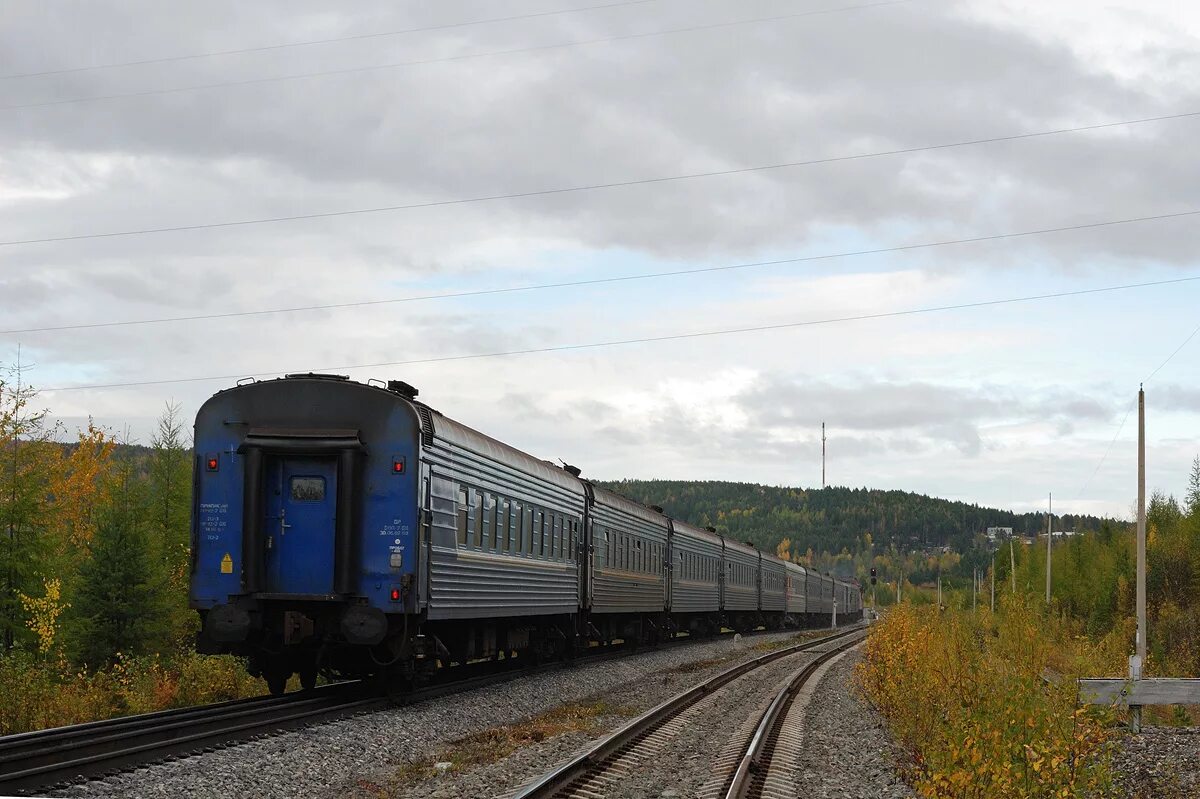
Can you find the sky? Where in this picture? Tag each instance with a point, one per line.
(803, 142)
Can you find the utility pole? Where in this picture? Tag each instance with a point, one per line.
(974, 587)
(1136, 666)
(1012, 561)
(992, 580)
(822, 454)
(939, 585)
(898, 579)
(1049, 540)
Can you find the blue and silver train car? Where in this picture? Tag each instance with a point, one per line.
(348, 528)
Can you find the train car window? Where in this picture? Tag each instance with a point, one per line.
(308, 489)
(464, 517)
(525, 514)
(556, 536)
(607, 551)
(489, 521)
(478, 518)
(542, 534)
(535, 537)
(503, 531)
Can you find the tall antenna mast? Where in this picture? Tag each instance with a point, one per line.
(822, 454)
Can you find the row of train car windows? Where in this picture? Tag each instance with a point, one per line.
(498, 524)
(740, 574)
(694, 566)
(627, 551)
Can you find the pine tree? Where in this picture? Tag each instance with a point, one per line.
(1192, 498)
(27, 461)
(118, 607)
(120, 603)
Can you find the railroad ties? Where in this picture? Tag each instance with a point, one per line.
(755, 762)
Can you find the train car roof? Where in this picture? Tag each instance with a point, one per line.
(697, 532)
(731, 543)
(453, 432)
(614, 500)
(459, 435)
(787, 564)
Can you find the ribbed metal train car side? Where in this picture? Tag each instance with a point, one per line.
(741, 576)
(774, 584)
(470, 577)
(795, 576)
(696, 563)
(629, 543)
(826, 594)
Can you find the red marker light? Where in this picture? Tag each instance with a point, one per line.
(213, 463)
(395, 594)
(398, 466)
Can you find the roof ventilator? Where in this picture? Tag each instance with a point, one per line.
(406, 390)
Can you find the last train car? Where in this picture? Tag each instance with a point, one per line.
(310, 495)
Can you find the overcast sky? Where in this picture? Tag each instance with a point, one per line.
(997, 405)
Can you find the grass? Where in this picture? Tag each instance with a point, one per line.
(492, 745)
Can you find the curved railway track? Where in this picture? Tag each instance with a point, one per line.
(46, 758)
(637, 744)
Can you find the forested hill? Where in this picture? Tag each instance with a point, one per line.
(832, 519)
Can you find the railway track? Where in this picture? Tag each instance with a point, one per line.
(637, 744)
(767, 769)
(46, 758)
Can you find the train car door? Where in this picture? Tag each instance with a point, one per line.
(300, 524)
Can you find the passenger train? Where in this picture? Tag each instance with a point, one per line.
(349, 529)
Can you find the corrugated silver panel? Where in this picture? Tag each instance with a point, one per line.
(774, 584)
(466, 581)
(741, 586)
(638, 586)
(480, 585)
(695, 595)
(618, 591)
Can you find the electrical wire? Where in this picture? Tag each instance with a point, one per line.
(1129, 410)
(447, 59)
(652, 339)
(331, 40)
(599, 186)
(594, 281)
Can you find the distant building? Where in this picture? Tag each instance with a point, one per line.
(995, 534)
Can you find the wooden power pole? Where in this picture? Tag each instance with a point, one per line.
(1049, 541)
(1141, 553)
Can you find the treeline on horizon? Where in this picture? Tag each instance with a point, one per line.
(836, 519)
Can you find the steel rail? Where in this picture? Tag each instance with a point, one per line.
(57, 756)
(593, 759)
(752, 768)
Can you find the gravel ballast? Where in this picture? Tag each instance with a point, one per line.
(362, 756)
(1160, 763)
(848, 751)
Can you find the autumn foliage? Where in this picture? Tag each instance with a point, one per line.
(986, 703)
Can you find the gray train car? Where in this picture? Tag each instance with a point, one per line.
(696, 563)
(503, 540)
(740, 600)
(796, 601)
(628, 562)
(773, 588)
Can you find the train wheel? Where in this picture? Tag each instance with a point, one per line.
(276, 681)
(308, 677)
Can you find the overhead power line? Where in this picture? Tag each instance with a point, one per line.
(651, 339)
(1129, 410)
(447, 59)
(599, 186)
(331, 40)
(599, 280)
